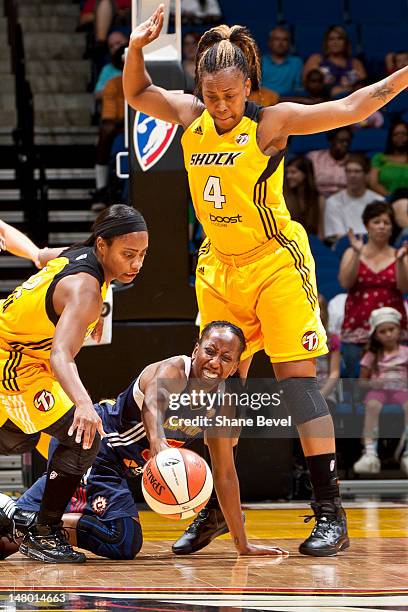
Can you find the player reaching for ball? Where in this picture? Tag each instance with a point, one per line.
(104, 517)
(255, 268)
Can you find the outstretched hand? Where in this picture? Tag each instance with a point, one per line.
(402, 251)
(149, 30)
(253, 550)
(356, 242)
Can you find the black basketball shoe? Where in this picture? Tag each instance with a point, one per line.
(48, 543)
(208, 525)
(14, 523)
(7, 510)
(329, 535)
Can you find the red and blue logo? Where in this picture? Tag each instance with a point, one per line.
(151, 137)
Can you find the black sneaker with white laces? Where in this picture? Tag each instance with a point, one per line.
(208, 525)
(329, 535)
(48, 543)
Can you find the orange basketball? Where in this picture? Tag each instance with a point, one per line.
(177, 483)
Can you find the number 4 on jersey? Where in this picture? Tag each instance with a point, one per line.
(212, 192)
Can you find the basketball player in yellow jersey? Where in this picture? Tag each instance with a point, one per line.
(43, 324)
(255, 268)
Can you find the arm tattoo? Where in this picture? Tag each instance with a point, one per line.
(381, 93)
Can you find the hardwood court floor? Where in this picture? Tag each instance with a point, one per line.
(376, 566)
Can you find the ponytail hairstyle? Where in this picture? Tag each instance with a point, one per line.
(225, 47)
(116, 220)
(374, 346)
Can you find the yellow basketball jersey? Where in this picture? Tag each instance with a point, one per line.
(236, 189)
(27, 315)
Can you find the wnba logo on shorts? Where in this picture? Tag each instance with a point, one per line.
(44, 401)
(310, 341)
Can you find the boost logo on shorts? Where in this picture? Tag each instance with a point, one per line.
(44, 400)
(310, 341)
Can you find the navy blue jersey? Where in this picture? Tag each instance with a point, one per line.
(104, 490)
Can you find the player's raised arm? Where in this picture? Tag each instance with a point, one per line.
(78, 302)
(168, 379)
(139, 90)
(227, 488)
(289, 118)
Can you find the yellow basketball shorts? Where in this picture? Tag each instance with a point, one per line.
(30, 396)
(273, 299)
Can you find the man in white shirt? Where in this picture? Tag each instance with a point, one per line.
(343, 210)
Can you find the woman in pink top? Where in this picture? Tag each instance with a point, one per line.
(385, 365)
(375, 275)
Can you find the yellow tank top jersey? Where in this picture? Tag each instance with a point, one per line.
(236, 189)
(27, 315)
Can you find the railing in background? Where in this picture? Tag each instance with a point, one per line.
(33, 193)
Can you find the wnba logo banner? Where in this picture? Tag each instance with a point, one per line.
(151, 138)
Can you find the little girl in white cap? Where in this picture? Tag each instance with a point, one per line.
(385, 364)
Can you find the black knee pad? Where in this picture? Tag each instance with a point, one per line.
(303, 399)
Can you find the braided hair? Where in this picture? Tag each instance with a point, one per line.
(224, 47)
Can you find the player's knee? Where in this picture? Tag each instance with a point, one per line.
(127, 551)
(75, 459)
(303, 399)
(119, 540)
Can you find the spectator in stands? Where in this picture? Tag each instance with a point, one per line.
(116, 39)
(190, 43)
(281, 71)
(389, 170)
(197, 12)
(375, 275)
(314, 90)
(301, 196)
(109, 15)
(342, 72)
(395, 61)
(112, 123)
(343, 210)
(264, 96)
(399, 203)
(87, 15)
(329, 164)
(328, 366)
(385, 366)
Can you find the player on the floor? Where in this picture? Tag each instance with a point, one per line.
(43, 324)
(255, 267)
(137, 426)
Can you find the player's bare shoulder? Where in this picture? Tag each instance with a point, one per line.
(271, 134)
(193, 108)
(171, 369)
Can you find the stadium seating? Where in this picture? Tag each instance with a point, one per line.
(378, 40)
(369, 140)
(318, 11)
(327, 267)
(299, 145)
(377, 12)
(259, 22)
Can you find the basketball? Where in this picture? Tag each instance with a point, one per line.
(177, 483)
